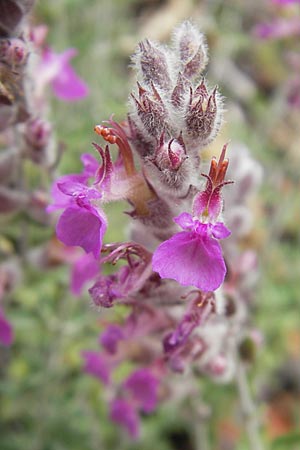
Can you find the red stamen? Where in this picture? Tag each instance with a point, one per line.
(117, 136)
(218, 169)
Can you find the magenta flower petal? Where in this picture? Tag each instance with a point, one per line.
(84, 227)
(90, 164)
(67, 85)
(219, 231)
(105, 291)
(185, 221)
(55, 69)
(84, 269)
(143, 386)
(285, 2)
(78, 190)
(6, 331)
(278, 29)
(124, 414)
(61, 200)
(96, 365)
(110, 338)
(192, 260)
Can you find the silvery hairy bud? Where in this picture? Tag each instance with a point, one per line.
(152, 61)
(170, 166)
(8, 164)
(12, 200)
(37, 136)
(192, 50)
(150, 111)
(12, 13)
(13, 52)
(181, 91)
(203, 116)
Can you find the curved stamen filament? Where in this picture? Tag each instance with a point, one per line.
(117, 136)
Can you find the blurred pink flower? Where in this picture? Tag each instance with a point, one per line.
(280, 28)
(97, 365)
(124, 413)
(55, 69)
(6, 331)
(84, 269)
(143, 387)
(285, 2)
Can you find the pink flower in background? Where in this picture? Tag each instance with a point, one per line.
(82, 223)
(285, 2)
(97, 365)
(84, 269)
(280, 28)
(123, 413)
(143, 387)
(6, 331)
(110, 337)
(55, 69)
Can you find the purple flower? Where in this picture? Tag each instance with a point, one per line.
(143, 386)
(96, 365)
(285, 2)
(6, 331)
(84, 269)
(110, 338)
(105, 291)
(55, 69)
(60, 199)
(90, 164)
(123, 413)
(82, 226)
(81, 223)
(278, 29)
(193, 257)
(198, 311)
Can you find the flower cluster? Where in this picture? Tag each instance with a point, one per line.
(27, 67)
(186, 311)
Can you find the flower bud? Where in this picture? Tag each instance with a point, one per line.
(170, 155)
(12, 201)
(192, 50)
(180, 91)
(37, 133)
(13, 51)
(12, 12)
(152, 60)
(151, 111)
(203, 116)
(37, 137)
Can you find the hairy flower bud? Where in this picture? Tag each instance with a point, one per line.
(37, 132)
(150, 110)
(13, 51)
(203, 116)
(170, 167)
(180, 91)
(37, 137)
(170, 155)
(192, 50)
(12, 201)
(152, 60)
(12, 12)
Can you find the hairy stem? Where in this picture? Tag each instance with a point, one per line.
(249, 411)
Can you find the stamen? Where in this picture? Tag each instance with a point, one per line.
(117, 136)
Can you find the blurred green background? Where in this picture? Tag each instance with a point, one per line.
(46, 402)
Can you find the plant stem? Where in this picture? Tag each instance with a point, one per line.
(248, 409)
